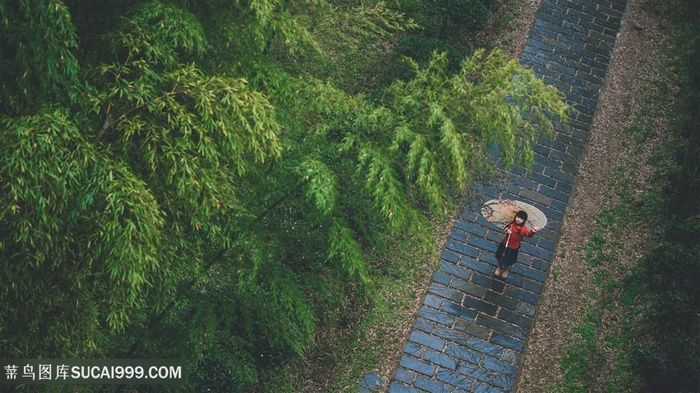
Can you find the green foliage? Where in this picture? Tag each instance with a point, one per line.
(154, 32)
(578, 364)
(71, 214)
(352, 45)
(322, 186)
(38, 44)
(186, 190)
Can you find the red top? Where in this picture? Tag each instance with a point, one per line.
(516, 235)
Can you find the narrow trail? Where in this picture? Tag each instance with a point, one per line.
(472, 328)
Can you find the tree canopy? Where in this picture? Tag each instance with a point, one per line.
(190, 179)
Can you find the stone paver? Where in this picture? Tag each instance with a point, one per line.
(472, 330)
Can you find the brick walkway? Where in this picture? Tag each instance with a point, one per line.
(472, 328)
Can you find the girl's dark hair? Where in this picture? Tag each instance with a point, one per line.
(522, 214)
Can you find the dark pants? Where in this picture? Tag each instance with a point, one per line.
(506, 256)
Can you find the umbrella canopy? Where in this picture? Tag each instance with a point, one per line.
(501, 212)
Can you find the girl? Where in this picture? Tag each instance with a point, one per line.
(507, 253)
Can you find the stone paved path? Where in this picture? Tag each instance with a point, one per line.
(472, 328)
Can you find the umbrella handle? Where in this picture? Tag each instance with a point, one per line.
(504, 251)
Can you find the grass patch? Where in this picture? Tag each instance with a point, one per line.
(580, 355)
